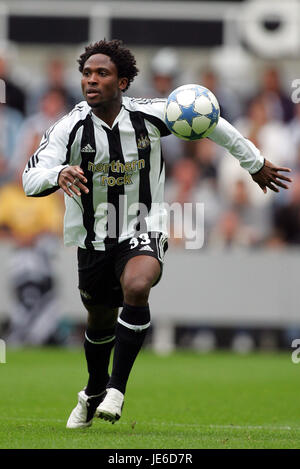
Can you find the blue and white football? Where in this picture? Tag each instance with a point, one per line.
(192, 112)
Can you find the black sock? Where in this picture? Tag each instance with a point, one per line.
(131, 331)
(97, 347)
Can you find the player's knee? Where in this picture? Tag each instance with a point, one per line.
(136, 290)
(100, 317)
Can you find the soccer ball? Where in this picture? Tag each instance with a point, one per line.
(192, 112)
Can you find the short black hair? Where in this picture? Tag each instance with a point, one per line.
(119, 55)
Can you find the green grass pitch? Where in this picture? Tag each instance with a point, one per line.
(185, 400)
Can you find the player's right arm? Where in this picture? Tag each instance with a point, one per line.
(48, 169)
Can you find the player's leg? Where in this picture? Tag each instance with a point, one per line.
(98, 344)
(96, 283)
(140, 273)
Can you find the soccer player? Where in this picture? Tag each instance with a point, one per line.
(106, 156)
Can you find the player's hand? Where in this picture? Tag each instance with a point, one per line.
(269, 176)
(72, 180)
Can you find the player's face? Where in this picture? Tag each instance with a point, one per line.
(100, 82)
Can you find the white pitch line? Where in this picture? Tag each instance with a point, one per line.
(31, 419)
(229, 426)
(174, 424)
(255, 427)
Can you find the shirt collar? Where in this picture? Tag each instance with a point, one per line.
(99, 121)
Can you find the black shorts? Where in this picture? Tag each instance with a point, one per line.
(100, 271)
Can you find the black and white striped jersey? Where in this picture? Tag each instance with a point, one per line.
(124, 168)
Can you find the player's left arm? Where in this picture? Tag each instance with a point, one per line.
(262, 171)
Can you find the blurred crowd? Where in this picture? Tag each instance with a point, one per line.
(32, 225)
(236, 212)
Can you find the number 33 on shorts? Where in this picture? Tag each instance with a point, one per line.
(151, 242)
(143, 238)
